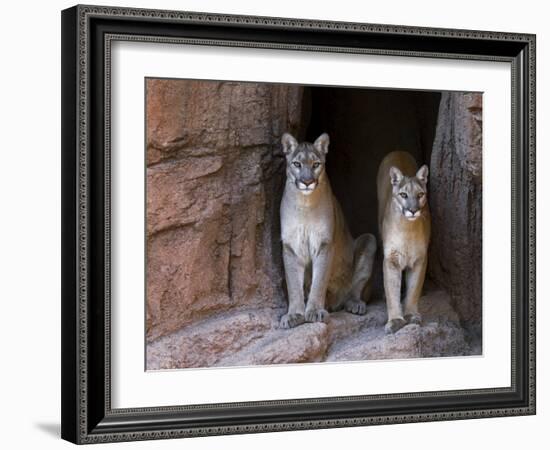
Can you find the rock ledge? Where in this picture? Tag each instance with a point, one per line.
(253, 337)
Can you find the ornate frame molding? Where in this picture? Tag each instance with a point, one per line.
(80, 418)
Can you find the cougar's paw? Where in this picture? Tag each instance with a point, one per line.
(355, 307)
(414, 318)
(394, 325)
(292, 320)
(316, 315)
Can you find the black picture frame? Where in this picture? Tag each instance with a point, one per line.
(87, 416)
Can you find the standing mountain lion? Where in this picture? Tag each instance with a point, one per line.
(321, 259)
(404, 224)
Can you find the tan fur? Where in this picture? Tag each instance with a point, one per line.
(322, 260)
(405, 241)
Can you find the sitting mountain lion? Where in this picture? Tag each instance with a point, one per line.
(404, 224)
(322, 261)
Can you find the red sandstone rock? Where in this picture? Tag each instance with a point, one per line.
(213, 177)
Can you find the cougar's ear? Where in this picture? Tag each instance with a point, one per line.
(422, 174)
(289, 143)
(321, 143)
(395, 176)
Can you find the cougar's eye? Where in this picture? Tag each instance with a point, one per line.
(297, 164)
(420, 194)
(403, 195)
(315, 165)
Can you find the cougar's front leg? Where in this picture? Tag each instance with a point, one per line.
(294, 275)
(392, 288)
(315, 308)
(415, 281)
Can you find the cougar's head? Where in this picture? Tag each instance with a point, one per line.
(410, 193)
(305, 162)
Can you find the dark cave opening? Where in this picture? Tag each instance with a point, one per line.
(364, 125)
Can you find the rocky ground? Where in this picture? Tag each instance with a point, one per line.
(253, 337)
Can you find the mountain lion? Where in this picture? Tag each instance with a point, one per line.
(404, 224)
(322, 261)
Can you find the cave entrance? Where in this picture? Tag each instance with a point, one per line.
(365, 125)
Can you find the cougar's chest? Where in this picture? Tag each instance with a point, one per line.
(306, 231)
(404, 246)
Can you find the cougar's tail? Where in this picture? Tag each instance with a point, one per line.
(364, 251)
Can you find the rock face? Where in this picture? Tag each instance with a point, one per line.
(213, 190)
(456, 202)
(253, 337)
